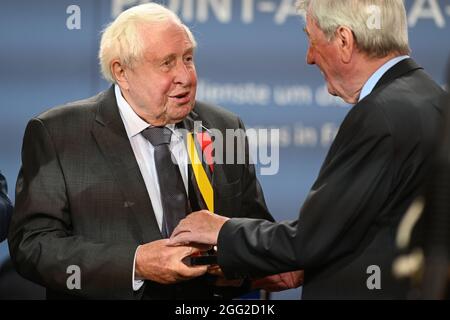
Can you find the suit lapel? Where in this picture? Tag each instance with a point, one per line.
(109, 132)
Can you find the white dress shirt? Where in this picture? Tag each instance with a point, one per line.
(143, 151)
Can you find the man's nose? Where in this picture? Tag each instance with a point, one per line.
(182, 74)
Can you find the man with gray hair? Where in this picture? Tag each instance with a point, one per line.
(98, 194)
(344, 238)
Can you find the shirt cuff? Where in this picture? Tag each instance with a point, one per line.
(137, 282)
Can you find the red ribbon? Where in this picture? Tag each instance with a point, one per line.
(205, 142)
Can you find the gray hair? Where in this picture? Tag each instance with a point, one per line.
(122, 40)
(391, 37)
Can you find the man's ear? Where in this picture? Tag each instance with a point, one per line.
(346, 42)
(119, 73)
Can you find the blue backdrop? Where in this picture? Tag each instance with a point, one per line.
(250, 60)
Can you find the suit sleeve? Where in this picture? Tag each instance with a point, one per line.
(352, 187)
(5, 209)
(42, 243)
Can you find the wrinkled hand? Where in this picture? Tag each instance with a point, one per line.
(279, 282)
(161, 263)
(198, 227)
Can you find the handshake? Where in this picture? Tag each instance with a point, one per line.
(164, 261)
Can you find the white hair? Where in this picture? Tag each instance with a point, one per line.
(122, 40)
(391, 37)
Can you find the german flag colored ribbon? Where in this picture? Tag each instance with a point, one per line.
(204, 145)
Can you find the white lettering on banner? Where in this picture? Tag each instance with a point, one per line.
(285, 137)
(247, 11)
(426, 9)
(293, 95)
(221, 9)
(305, 136)
(324, 99)
(266, 6)
(186, 11)
(202, 11)
(295, 135)
(285, 10)
(234, 93)
(260, 94)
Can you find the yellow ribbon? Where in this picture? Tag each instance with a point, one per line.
(201, 177)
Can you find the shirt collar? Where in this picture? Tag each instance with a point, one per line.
(373, 80)
(134, 124)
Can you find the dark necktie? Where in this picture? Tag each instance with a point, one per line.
(173, 193)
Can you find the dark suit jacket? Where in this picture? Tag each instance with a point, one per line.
(5, 208)
(373, 171)
(81, 200)
(431, 233)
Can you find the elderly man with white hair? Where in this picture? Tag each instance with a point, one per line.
(344, 238)
(104, 181)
